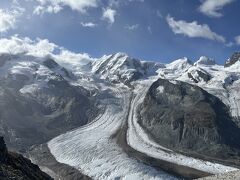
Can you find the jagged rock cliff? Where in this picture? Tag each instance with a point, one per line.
(15, 166)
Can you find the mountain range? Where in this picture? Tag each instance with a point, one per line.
(118, 117)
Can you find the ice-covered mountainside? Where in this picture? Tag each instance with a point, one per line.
(218, 80)
(37, 96)
(120, 67)
(221, 81)
(98, 104)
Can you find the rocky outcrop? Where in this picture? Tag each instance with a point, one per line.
(15, 166)
(234, 58)
(187, 119)
(199, 75)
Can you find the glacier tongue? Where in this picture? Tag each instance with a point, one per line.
(93, 151)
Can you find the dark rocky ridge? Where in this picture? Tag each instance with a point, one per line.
(15, 166)
(51, 64)
(234, 58)
(202, 74)
(187, 119)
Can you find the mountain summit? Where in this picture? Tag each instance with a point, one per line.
(234, 58)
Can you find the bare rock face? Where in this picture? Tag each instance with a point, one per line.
(187, 119)
(15, 166)
(3, 150)
(234, 58)
(199, 75)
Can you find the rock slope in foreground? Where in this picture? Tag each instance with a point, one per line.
(14, 166)
(187, 119)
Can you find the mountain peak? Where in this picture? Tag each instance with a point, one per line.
(183, 60)
(233, 59)
(120, 54)
(180, 64)
(203, 60)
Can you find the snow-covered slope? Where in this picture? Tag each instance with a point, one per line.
(37, 72)
(38, 95)
(120, 67)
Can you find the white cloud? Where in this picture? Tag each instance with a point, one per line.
(42, 48)
(54, 6)
(88, 24)
(114, 3)
(193, 29)
(211, 7)
(109, 15)
(132, 27)
(39, 10)
(69, 58)
(118, 3)
(149, 28)
(8, 18)
(159, 14)
(237, 40)
(16, 45)
(229, 44)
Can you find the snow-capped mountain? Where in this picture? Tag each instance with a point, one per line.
(120, 67)
(108, 113)
(36, 95)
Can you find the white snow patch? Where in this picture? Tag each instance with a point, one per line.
(160, 89)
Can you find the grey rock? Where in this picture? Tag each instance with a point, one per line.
(234, 58)
(201, 75)
(14, 166)
(187, 119)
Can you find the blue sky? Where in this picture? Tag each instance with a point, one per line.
(156, 30)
